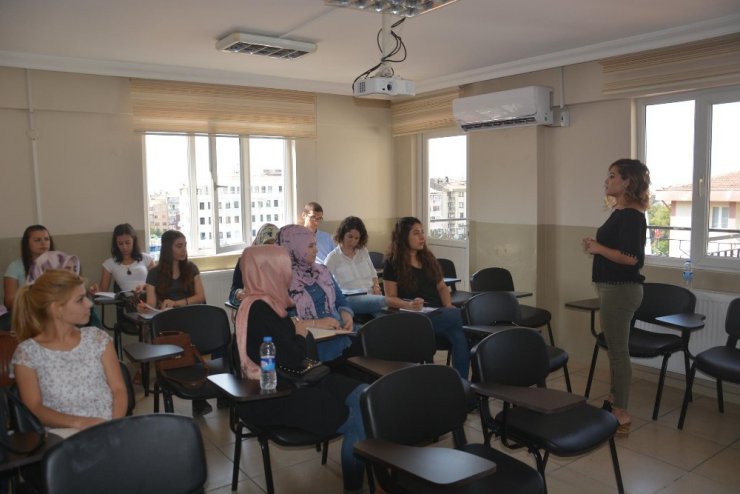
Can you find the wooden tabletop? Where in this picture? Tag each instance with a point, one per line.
(247, 389)
(541, 400)
(378, 367)
(687, 321)
(440, 466)
(148, 352)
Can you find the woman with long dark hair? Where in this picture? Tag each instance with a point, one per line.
(127, 266)
(35, 241)
(175, 281)
(619, 253)
(413, 280)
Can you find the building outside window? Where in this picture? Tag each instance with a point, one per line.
(187, 169)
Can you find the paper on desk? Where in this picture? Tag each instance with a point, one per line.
(425, 310)
(323, 334)
(105, 294)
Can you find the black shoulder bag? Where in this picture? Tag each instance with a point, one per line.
(15, 416)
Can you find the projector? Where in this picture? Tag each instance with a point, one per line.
(391, 86)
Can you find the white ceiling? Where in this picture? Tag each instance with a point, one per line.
(467, 41)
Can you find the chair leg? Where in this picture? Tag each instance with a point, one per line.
(687, 366)
(237, 456)
(324, 452)
(541, 462)
(268, 467)
(449, 357)
(156, 397)
(615, 463)
(549, 333)
(591, 370)
(687, 393)
(720, 397)
(661, 382)
(567, 378)
(169, 406)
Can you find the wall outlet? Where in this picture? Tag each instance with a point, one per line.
(564, 118)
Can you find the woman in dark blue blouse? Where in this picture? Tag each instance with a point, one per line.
(619, 253)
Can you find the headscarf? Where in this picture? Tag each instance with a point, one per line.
(296, 239)
(52, 259)
(268, 280)
(267, 232)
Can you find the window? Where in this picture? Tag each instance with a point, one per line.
(690, 144)
(446, 187)
(186, 173)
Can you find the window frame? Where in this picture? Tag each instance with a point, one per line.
(701, 177)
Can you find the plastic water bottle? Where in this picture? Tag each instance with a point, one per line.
(268, 376)
(688, 273)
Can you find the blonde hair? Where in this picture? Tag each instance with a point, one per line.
(31, 308)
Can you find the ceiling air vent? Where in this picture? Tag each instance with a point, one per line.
(253, 44)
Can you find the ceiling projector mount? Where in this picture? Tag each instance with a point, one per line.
(381, 79)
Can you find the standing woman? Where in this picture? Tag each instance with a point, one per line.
(128, 266)
(619, 253)
(412, 279)
(35, 241)
(175, 281)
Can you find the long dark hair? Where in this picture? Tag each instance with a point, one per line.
(398, 254)
(26, 255)
(118, 231)
(347, 225)
(166, 258)
(638, 175)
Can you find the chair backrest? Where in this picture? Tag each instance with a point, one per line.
(491, 308)
(145, 454)
(415, 405)
(376, 258)
(662, 299)
(492, 280)
(401, 337)
(8, 344)
(447, 267)
(732, 322)
(207, 325)
(517, 357)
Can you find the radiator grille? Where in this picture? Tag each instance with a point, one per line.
(217, 285)
(714, 306)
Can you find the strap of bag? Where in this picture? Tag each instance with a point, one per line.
(6, 397)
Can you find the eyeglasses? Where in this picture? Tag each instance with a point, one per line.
(317, 219)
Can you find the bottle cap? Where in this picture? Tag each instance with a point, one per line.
(267, 339)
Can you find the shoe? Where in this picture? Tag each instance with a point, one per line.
(607, 406)
(137, 377)
(201, 407)
(623, 430)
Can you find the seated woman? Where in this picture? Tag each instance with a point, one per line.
(266, 235)
(128, 267)
(35, 241)
(69, 377)
(412, 279)
(353, 270)
(331, 405)
(318, 300)
(175, 281)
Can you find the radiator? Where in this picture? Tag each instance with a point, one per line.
(714, 306)
(217, 285)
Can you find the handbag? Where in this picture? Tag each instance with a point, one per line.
(14, 415)
(188, 369)
(310, 372)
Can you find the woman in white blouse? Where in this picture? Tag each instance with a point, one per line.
(351, 266)
(128, 266)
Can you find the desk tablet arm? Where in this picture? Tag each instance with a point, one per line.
(542, 400)
(439, 467)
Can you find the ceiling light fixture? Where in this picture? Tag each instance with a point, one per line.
(254, 44)
(404, 8)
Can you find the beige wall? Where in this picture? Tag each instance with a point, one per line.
(90, 169)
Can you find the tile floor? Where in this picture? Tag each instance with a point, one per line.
(655, 458)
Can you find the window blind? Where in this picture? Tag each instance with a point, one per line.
(170, 106)
(708, 63)
(428, 112)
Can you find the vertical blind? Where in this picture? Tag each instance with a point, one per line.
(701, 64)
(428, 112)
(170, 106)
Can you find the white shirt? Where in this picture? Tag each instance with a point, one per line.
(352, 273)
(128, 277)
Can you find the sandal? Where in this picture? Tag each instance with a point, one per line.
(623, 430)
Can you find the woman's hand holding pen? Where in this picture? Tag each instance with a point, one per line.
(416, 304)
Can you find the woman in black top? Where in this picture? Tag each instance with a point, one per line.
(619, 253)
(332, 404)
(413, 279)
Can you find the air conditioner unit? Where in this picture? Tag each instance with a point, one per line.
(514, 108)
